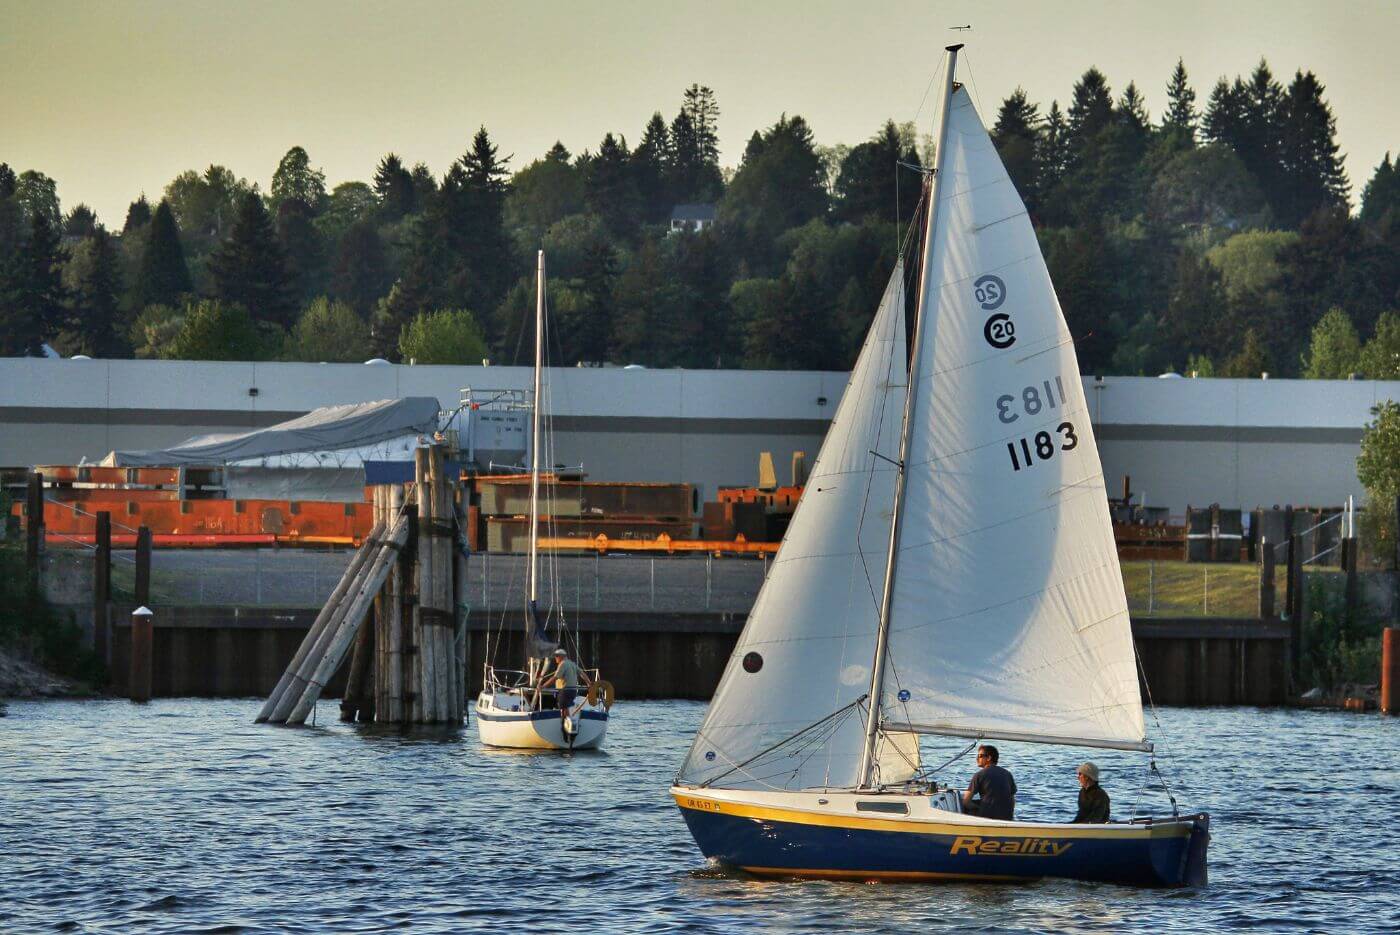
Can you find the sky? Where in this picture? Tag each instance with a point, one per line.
(114, 99)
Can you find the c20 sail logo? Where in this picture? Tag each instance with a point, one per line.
(989, 291)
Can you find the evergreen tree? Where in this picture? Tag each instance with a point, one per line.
(1180, 116)
(250, 268)
(1017, 140)
(649, 170)
(361, 273)
(31, 291)
(1090, 112)
(92, 280)
(1310, 171)
(694, 170)
(1335, 351)
(302, 249)
(138, 215)
(393, 185)
(482, 245)
(1224, 117)
(163, 277)
(871, 180)
(1051, 153)
(1250, 361)
(295, 180)
(424, 186)
(592, 332)
(1334, 262)
(81, 222)
(609, 190)
(1382, 193)
(703, 109)
(778, 187)
(39, 281)
(11, 221)
(541, 194)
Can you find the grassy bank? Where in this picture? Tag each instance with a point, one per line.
(32, 629)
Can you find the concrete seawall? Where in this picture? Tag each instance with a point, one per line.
(225, 652)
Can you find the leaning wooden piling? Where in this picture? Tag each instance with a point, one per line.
(317, 628)
(358, 701)
(345, 628)
(459, 606)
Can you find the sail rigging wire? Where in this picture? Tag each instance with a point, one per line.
(859, 702)
(1166, 738)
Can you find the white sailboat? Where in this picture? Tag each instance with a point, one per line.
(950, 570)
(513, 710)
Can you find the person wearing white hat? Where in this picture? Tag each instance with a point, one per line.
(566, 676)
(1093, 801)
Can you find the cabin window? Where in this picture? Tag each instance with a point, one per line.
(888, 808)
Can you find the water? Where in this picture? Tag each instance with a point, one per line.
(183, 816)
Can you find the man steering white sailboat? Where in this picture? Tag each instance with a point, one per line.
(532, 708)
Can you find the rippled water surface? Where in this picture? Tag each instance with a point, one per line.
(183, 816)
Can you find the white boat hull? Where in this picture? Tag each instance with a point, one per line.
(518, 729)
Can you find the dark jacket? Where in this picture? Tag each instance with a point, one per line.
(1093, 806)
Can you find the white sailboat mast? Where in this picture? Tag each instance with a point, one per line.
(535, 432)
(877, 677)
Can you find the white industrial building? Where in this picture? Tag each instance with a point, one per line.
(1236, 442)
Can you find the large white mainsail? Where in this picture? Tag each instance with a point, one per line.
(1008, 616)
(811, 633)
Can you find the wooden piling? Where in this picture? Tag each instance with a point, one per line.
(1295, 607)
(1266, 579)
(34, 521)
(393, 605)
(142, 645)
(143, 566)
(1390, 671)
(380, 616)
(459, 606)
(446, 653)
(344, 625)
(358, 701)
(102, 589)
(280, 702)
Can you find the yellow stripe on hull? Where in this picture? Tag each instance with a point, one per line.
(892, 876)
(696, 803)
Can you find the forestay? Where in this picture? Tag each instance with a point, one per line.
(810, 637)
(1008, 615)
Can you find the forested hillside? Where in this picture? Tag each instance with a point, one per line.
(1221, 237)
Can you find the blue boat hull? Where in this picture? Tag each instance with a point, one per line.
(785, 844)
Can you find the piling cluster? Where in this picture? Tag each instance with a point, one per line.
(397, 612)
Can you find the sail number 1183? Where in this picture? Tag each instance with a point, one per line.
(1041, 446)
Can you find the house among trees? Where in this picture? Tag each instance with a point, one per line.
(692, 218)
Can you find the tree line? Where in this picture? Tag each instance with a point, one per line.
(1216, 239)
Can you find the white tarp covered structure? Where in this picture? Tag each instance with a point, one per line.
(357, 426)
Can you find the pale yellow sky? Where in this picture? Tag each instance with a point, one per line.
(112, 99)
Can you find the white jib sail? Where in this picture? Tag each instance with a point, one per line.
(811, 633)
(1008, 614)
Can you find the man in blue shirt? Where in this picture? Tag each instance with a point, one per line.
(994, 784)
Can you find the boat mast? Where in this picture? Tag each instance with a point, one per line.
(877, 677)
(535, 441)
